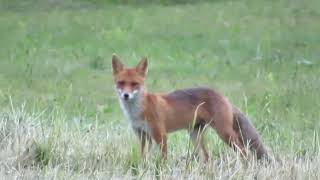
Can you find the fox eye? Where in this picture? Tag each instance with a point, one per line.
(134, 84)
(121, 83)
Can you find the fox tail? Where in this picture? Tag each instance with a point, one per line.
(248, 134)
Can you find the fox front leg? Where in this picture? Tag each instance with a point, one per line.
(160, 137)
(144, 138)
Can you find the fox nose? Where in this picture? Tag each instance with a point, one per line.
(126, 96)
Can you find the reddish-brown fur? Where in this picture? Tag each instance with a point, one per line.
(165, 113)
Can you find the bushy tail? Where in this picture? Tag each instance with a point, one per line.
(248, 134)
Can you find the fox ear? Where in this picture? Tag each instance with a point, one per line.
(142, 67)
(117, 66)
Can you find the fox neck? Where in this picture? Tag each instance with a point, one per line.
(133, 109)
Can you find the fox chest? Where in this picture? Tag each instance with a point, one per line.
(134, 115)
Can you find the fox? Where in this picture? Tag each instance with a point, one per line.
(154, 115)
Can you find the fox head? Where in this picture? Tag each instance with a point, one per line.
(129, 81)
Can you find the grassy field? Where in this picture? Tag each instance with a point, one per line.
(60, 117)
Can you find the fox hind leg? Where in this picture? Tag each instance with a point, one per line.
(233, 140)
(196, 135)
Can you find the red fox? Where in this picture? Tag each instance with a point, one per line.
(153, 116)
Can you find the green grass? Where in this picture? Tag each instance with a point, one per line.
(57, 93)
